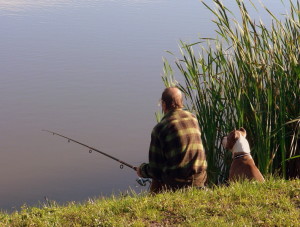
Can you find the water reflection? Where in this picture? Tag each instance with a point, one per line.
(21, 5)
(91, 73)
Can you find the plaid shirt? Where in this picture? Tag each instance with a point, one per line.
(176, 152)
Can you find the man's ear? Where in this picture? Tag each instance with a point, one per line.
(164, 106)
(243, 131)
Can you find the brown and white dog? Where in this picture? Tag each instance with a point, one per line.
(243, 166)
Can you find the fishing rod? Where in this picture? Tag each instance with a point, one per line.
(94, 149)
(140, 181)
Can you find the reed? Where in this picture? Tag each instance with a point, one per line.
(248, 76)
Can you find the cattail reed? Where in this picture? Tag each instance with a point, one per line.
(248, 76)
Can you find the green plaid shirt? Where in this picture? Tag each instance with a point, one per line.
(176, 151)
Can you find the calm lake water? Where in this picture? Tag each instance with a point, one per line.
(90, 70)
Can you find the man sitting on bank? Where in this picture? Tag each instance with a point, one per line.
(176, 155)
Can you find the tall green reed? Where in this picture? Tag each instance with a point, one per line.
(248, 76)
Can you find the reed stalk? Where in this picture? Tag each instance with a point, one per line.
(248, 76)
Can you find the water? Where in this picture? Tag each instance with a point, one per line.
(90, 70)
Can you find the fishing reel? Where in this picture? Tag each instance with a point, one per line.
(143, 181)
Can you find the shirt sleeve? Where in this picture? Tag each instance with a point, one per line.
(153, 169)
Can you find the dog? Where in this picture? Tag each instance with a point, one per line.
(242, 166)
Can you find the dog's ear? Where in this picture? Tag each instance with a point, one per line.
(243, 131)
(232, 137)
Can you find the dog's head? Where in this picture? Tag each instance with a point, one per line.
(229, 141)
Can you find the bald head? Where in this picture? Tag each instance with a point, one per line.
(172, 97)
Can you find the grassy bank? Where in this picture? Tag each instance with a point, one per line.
(274, 203)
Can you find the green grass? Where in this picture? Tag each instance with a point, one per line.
(273, 203)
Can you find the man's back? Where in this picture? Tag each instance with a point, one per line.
(181, 144)
(176, 155)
